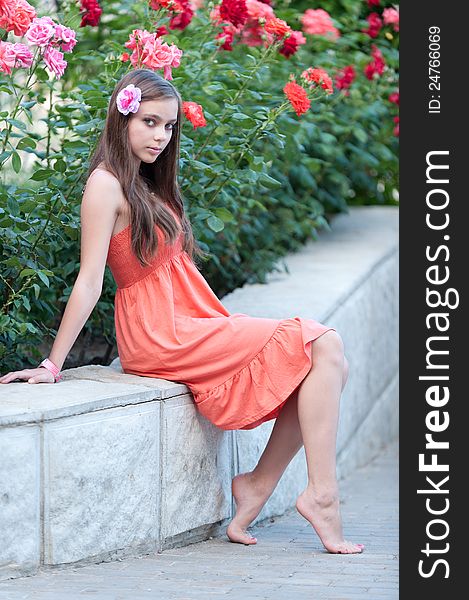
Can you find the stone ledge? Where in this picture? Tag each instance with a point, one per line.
(83, 390)
(322, 275)
(106, 465)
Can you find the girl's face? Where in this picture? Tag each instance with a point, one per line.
(151, 128)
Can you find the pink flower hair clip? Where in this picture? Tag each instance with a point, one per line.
(128, 99)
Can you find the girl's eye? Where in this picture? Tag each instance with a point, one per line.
(151, 123)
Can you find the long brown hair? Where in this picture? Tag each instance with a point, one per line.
(139, 179)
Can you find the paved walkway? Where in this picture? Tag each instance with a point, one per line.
(288, 562)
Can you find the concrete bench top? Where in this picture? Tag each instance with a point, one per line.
(321, 277)
(83, 390)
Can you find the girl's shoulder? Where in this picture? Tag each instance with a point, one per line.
(102, 172)
(106, 182)
(102, 177)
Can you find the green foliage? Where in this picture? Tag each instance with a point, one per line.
(258, 181)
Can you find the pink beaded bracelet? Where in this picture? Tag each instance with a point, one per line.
(49, 365)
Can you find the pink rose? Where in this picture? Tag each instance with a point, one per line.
(318, 22)
(259, 10)
(67, 36)
(176, 55)
(24, 56)
(128, 99)
(391, 17)
(40, 31)
(175, 61)
(54, 60)
(137, 38)
(159, 54)
(140, 42)
(150, 51)
(7, 57)
(47, 20)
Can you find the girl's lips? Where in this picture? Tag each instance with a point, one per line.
(154, 150)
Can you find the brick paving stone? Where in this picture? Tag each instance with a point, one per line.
(287, 563)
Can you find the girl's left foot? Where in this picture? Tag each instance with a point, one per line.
(250, 497)
(324, 515)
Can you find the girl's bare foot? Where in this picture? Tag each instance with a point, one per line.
(324, 515)
(250, 497)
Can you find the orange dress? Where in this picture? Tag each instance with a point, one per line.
(171, 325)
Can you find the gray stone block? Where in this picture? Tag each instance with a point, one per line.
(368, 323)
(378, 429)
(196, 471)
(19, 501)
(101, 485)
(83, 389)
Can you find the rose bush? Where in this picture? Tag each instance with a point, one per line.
(283, 126)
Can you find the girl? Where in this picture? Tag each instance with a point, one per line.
(241, 370)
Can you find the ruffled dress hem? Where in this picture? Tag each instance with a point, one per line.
(272, 385)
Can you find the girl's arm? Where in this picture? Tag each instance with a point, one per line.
(101, 204)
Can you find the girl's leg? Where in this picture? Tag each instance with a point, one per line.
(251, 490)
(318, 415)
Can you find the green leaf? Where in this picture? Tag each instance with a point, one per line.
(97, 102)
(42, 75)
(28, 104)
(360, 135)
(213, 87)
(25, 273)
(60, 165)
(16, 162)
(301, 177)
(240, 117)
(28, 206)
(26, 142)
(13, 261)
(42, 174)
(215, 223)
(222, 129)
(268, 181)
(43, 277)
(69, 268)
(37, 290)
(84, 127)
(224, 214)
(75, 146)
(26, 303)
(199, 164)
(16, 123)
(13, 206)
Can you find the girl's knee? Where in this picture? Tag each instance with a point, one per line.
(329, 346)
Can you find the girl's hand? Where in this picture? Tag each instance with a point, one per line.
(39, 375)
